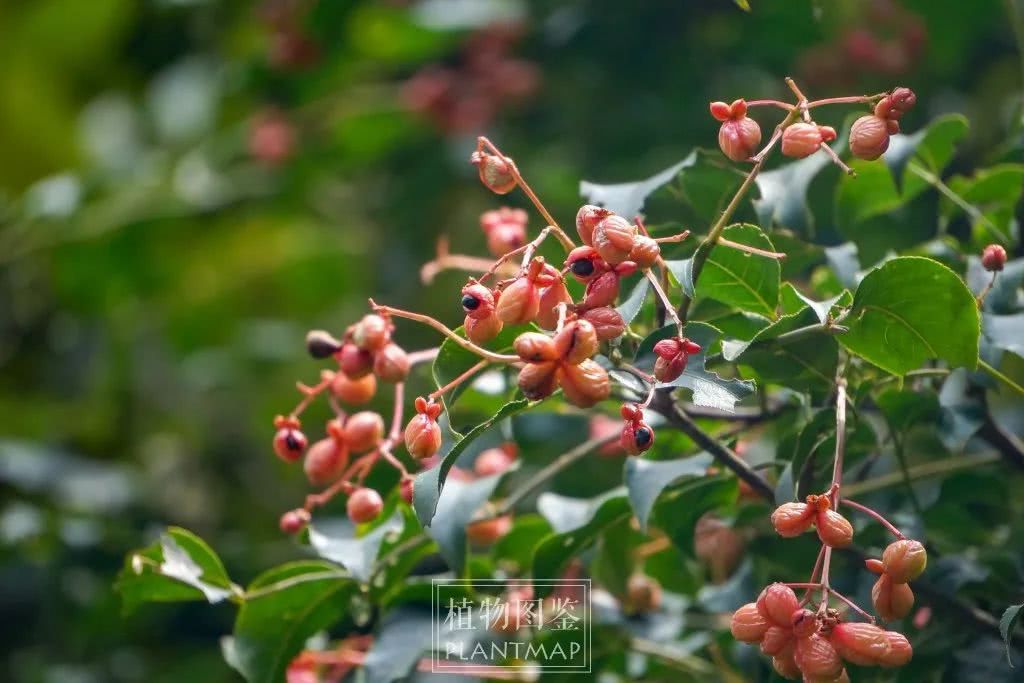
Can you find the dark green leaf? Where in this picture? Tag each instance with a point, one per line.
(791, 295)
(962, 412)
(629, 308)
(399, 643)
(739, 279)
(282, 609)
(910, 310)
(339, 543)
(844, 263)
(679, 508)
(565, 513)
(784, 194)
(627, 199)
(932, 146)
(646, 479)
(682, 271)
(1006, 625)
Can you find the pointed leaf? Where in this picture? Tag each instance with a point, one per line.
(746, 281)
(629, 308)
(1006, 625)
(355, 553)
(627, 199)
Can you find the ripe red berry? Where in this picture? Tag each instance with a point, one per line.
(519, 303)
(900, 652)
(391, 363)
(354, 391)
(585, 384)
(538, 380)
(321, 344)
(493, 461)
(801, 140)
(550, 299)
(505, 229)
(643, 594)
(645, 252)
(587, 219)
(614, 238)
(483, 330)
(602, 290)
(785, 665)
(817, 658)
(576, 342)
(294, 521)
(891, 601)
(792, 519)
(271, 138)
(777, 603)
(495, 172)
(859, 642)
(904, 560)
(477, 301)
(354, 361)
(869, 137)
(486, 532)
(535, 347)
(776, 640)
(289, 444)
(371, 333)
(748, 625)
(423, 434)
(364, 505)
(607, 322)
(993, 258)
(363, 431)
(739, 138)
(325, 461)
(834, 530)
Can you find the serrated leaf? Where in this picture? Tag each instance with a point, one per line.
(739, 279)
(452, 360)
(1006, 625)
(178, 567)
(282, 609)
(627, 199)
(784, 194)
(340, 544)
(629, 308)
(911, 310)
(554, 552)
(646, 479)
(708, 387)
(427, 486)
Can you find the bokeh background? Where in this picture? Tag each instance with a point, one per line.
(186, 186)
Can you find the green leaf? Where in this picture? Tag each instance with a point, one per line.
(791, 295)
(452, 360)
(646, 479)
(995, 192)
(428, 485)
(911, 310)
(403, 636)
(708, 184)
(708, 387)
(739, 279)
(629, 308)
(355, 553)
(784, 194)
(283, 608)
(682, 271)
(844, 262)
(179, 567)
(554, 552)
(627, 199)
(677, 511)
(565, 513)
(1006, 625)
(932, 147)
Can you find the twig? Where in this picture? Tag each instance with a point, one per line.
(440, 327)
(1000, 376)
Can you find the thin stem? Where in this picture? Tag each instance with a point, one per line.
(1000, 376)
(673, 238)
(310, 393)
(423, 356)
(853, 99)
(396, 414)
(566, 241)
(875, 516)
(814, 576)
(770, 103)
(825, 147)
(801, 104)
(443, 260)
(440, 327)
(965, 206)
(988, 288)
(777, 255)
(923, 471)
(663, 297)
(459, 380)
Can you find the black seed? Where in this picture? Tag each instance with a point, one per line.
(642, 436)
(470, 302)
(583, 267)
(321, 344)
(291, 442)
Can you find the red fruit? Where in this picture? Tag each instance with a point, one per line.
(289, 444)
(364, 505)
(363, 431)
(785, 666)
(721, 111)
(670, 370)
(739, 138)
(834, 530)
(550, 298)
(354, 361)
(585, 384)
(993, 258)
(602, 291)
(776, 640)
(891, 601)
(576, 342)
(613, 239)
(423, 434)
(643, 594)
(492, 461)
(502, 216)
(321, 344)
(904, 560)
(477, 301)
(271, 138)
(585, 263)
(505, 238)
(900, 652)
(535, 347)
(354, 391)
(495, 172)
(538, 380)
(645, 252)
(587, 219)
(325, 461)
(294, 521)
(636, 437)
(792, 519)
(406, 488)
(391, 364)
(607, 322)
(804, 623)
(777, 603)
(801, 140)
(519, 303)
(859, 642)
(371, 333)
(748, 625)
(869, 137)
(483, 330)
(486, 532)
(817, 658)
